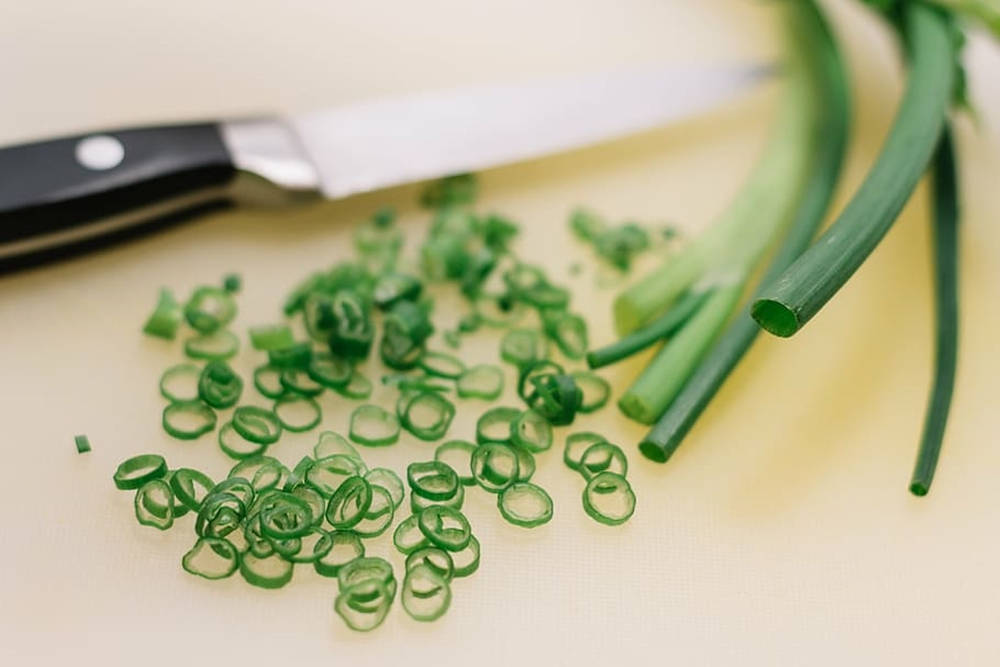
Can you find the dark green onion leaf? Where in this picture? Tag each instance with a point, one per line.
(269, 337)
(82, 444)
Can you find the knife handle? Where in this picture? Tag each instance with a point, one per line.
(76, 190)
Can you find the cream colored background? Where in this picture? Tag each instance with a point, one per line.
(781, 533)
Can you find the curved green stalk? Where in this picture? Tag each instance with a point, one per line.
(830, 142)
(945, 224)
(792, 300)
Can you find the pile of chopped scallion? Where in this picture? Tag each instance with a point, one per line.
(267, 516)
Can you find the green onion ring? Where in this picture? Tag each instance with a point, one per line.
(531, 431)
(525, 504)
(388, 480)
(217, 346)
(445, 527)
(373, 426)
(236, 446)
(483, 381)
(269, 572)
(267, 380)
(441, 365)
(426, 594)
(495, 466)
(379, 516)
(358, 387)
(345, 546)
(596, 390)
(466, 561)
(601, 457)
(269, 337)
(419, 503)
(329, 472)
(257, 424)
(435, 558)
(349, 503)
(494, 425)
(188, 420)
(460, 460)
(576, 445)
(432, 480)
(407, 537)
(219, 386)
(284, 516)
(286, 407)
(427, 415)
(180, 373)
(609, 499)
(153, 511)
(329, 370)
(209, 309)
(132, 473)
(211, 558)
(190, 487)
(298, 381)
(331, 443)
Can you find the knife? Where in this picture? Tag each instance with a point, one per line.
(65, 195)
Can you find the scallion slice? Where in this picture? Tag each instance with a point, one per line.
(344, 547)
(293, 355)
(441, 365)
(388, 480)
(392, 287)
(380, 513)
(257, 424)
(299, 381)
(568, 330)
(525, 504)
(603, 457)
(236, 446)
(269, 337)
(373, 426)
(371, 568)
(263, 472)
(483, 381)
(435, 558)
(426, 594)
(432, 480)
(327, 473)
(267, 380)
(82, 444)
(219, 385)
(494, 466)
(331, 443)
(284, 516)
(216, 346)
(531, 431)
(525, 463)
(297, 413)
(596, 390)
(180, 383)
(209, 309)
(523, 346)
(330, 370)
(187, 420)
(609, 499)
(364, 606)
(211, 558)
(466, 561)
(495, 425)
(269, 572)
(427, 415)
(190, 487)
(358, 387)
(349, 503)
(457, 454)
(576, 445)
(154, 505)
(445, 527)
(408, 537)
(166, 317)
(418, 503)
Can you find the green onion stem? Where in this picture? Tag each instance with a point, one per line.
(746, 228)
(659, 383)
(829, 141)
(792, 300)
(655, 331)
(945, 225)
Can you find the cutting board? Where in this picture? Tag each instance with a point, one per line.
(780, 533)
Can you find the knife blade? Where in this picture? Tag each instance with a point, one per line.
(69, 194)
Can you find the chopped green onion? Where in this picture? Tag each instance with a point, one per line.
(380, 513)
(330, 370)
(525, 504)
(232, 283)
(211, 558)
(427, 415)
(190, 487)
(166, 317)
(435, 558)
(525, 463)
(595, 389)
(269, 337)
(418, 503)
(495, 466)
(450, 191)
(180, 383)
(353, 331)
(373, 426)
(577, 445)
(364, 606)
(432, 480)
(349, 503)
(154, 505)
(523, 346)
(263, 472)
(188, 420)
(457, 454)
(445, 527)
(945, 226)
(441, 365)
(257, 424)
(555, 396)
(331, 443)
(601, 457)
(358, 387)
(82, 444)
(218, 345)
(531, 431)
(388, 480)
(345, 547)
(299, 381)
(293, 355)
(569, 332)
(285, 516)
(426, 594)
(209, 309)
(466, 561)
(371, 568)
(609, 499)
(297, 413)
(495, 425)
(391, 288)
(408, 537)
(531, 370)
(236, 446)
(219, 386)
(329, 472)
(481, 381)
(267, 380)
(268, 572)
(664, 326)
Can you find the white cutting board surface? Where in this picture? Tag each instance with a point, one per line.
(781, 533)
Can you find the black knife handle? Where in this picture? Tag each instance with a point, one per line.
(64, 192)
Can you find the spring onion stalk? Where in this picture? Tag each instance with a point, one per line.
(737, 239)
(945, 226)
(659, 383)
(830, 141)
(795, 297)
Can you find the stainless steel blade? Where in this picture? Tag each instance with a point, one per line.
(376, 144)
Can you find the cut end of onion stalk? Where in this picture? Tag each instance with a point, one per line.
(653, 451)
(775, 317)
(635, 408)
(626, 316)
